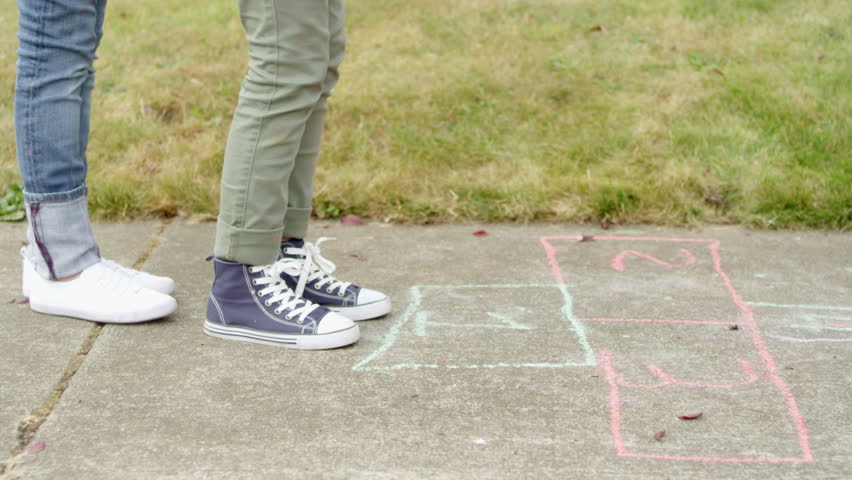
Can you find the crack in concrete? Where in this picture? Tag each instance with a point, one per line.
(29, 425)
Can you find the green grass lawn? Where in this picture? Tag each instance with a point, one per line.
(660, 111)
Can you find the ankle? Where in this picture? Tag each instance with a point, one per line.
(68, 279)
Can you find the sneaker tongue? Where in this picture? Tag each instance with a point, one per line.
(292, 243)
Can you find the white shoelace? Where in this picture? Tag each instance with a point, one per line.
(312, 267)
(115, 281)
(120, 268)
(276, 291)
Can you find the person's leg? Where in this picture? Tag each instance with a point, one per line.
(300, 188)
(312, 279)
(63, 273)
(58, 40)
(288, 59)
(301, 182)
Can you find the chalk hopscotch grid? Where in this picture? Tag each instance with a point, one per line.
(591, 359)
(415, 304)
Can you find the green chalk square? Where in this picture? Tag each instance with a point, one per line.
(483, 320)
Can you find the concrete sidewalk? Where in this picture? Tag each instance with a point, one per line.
(523, 353)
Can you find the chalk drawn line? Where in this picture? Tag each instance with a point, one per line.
(801, 307)
(809, 340)
(550, 250)
(818, 322)
(667, 380)
(658, 320)
(617, 263)
(838, 325)
(415, 308)
(422, 322)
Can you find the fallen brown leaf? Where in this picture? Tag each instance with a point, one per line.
(357, 256)
(693, 416)
(37, 447)
(351, 220)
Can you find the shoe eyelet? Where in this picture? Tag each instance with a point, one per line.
(340, 294)
(277, 311)
(288, 317)
(254, 281)
(329, 290)
(267, 303)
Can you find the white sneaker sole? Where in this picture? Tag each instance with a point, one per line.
(367, 311)
(158, 312)
(324, 341)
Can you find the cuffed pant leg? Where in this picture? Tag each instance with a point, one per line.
(289, 57)
(61, 241)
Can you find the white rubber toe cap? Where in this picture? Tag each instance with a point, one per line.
(157, 283)
(370, 296)
(334, 322)
(370, 304)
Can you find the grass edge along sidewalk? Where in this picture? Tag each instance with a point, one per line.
(677, 112)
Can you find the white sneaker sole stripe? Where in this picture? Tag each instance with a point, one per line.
(311, 341)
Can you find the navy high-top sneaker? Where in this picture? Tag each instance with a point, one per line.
(253, 304)
(309, 275)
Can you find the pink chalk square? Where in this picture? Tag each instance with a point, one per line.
(620, 279)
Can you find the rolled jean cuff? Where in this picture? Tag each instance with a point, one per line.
(249, 247)
(61, 241)
(78, 192)
(296, 222)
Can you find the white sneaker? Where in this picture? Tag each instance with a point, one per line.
(101, 294)
(154, 282)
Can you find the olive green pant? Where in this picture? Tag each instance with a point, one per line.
(295, 48)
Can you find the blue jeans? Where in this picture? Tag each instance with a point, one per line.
(53, 90)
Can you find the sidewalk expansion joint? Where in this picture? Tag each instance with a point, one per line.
(153, 243)
(28, 426)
